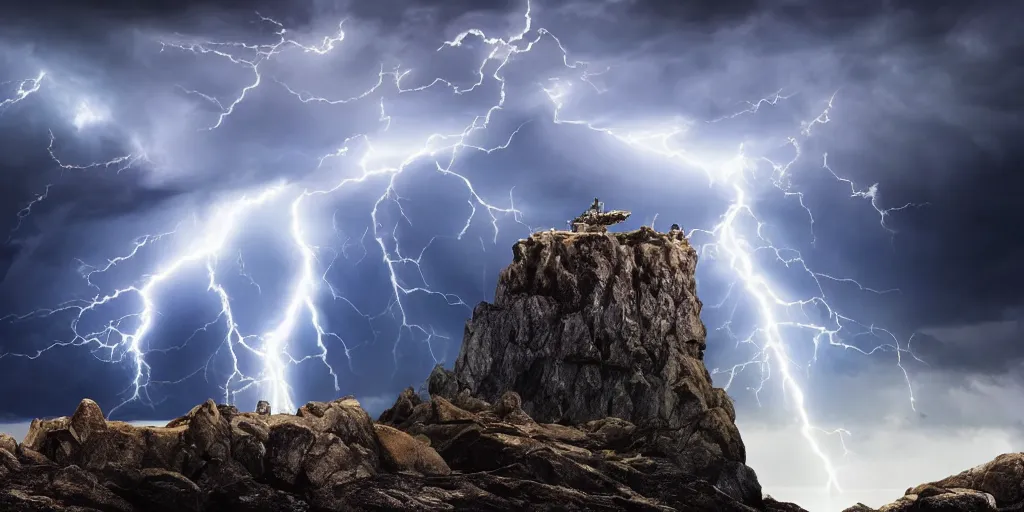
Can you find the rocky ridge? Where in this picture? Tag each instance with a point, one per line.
(580, 388)
(996, 486)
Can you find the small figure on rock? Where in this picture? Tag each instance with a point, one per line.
(263, 408)
(676, 232)
(596, 220)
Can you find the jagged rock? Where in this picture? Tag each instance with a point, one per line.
(469, 402)
(1003, 478)
(288, 444)
(32, 457)
(86, 420)
(207, 432)
(8, 463)
(997, 485)
(398, 413)
(406, 453)
(771, 505)
(596, 220)
(860, 507)
(74, 485)
(162, 490)
(588, 325)
(38, 429)
(8, 443)
(331, 457)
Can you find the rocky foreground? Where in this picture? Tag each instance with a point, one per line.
(581, 388)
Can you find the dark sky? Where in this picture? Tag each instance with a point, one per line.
(925, 103)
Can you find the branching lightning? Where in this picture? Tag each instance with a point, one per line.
(130, 337)
(737, 248)
(120, 163)
(26, 88)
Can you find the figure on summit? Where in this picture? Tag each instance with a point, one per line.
(676, 232)
(596, 220)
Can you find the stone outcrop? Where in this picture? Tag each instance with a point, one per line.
(427, 455)
(587, 326)
(996, 486)
(212, 457)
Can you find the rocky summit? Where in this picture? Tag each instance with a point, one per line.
(586, 326)
(581, 388)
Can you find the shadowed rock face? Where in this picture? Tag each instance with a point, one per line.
(586, 326)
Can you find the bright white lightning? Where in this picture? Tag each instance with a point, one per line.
(27, 210)
(730, 239)
(131, 344)
(25, 88)
(120, 163)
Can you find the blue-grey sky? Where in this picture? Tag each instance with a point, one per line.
(673, 110)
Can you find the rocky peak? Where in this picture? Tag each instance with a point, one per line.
(588, 325)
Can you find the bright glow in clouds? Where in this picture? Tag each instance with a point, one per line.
(733, 245)
(87, 113)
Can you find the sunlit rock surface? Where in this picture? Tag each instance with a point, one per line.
(997, 485)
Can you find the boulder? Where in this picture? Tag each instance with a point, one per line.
(406, 453)
(997, 485)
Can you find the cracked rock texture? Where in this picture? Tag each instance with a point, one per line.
(586, 326)
(422, 455)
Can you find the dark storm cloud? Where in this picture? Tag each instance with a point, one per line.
(924, 107)
(995, 347)
(85, 17)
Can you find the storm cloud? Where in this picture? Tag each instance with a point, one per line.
(920, 98)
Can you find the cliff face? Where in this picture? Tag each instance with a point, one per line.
(590, 325)
(586, 326)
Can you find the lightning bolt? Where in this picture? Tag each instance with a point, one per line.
(737, 248)
(25, 212)
(26, 88)
(731, 241)
(120, 163)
